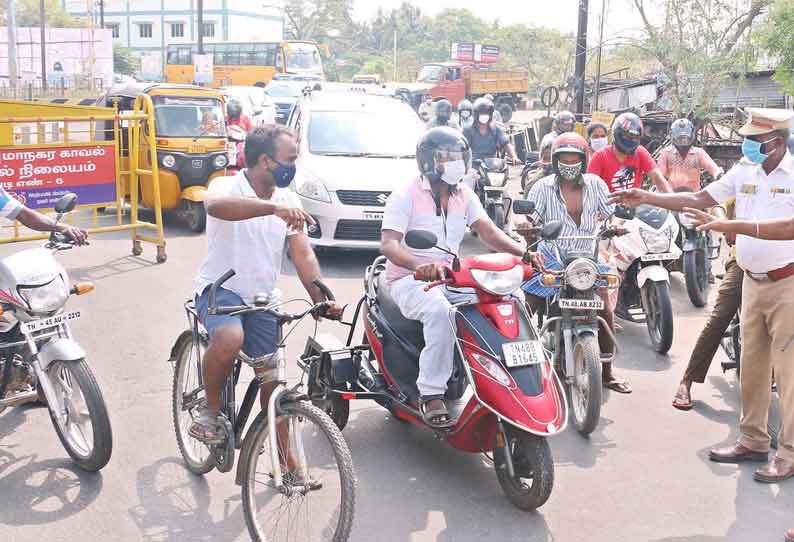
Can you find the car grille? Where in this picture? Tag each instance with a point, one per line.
(362, 198)
(358, 230)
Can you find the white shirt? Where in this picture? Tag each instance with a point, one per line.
(254, 248)
(413, 208)
(758, 197)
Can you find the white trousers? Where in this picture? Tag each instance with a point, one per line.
(432, 308)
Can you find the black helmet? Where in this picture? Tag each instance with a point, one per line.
(626, 132)
(443, 110)
(682, 133)
(438, 145)
(234, 109)
(564, 121)
(483, 106)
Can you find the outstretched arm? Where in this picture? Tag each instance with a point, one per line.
(40, 222)
(674, 201)
(233, 209)
(779, 229)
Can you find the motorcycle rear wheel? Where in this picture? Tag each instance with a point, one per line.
(534, 469)
(499, 216)
(696, 273)
(658, 315)
(584, 394)
(81, 401)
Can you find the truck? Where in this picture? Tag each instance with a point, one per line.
(457, 81)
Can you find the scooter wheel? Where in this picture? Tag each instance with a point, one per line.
(533, 466)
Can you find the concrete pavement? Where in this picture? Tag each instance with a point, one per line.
(644, 475)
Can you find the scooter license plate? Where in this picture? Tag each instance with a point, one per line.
(52, 321)
(658, 257)
(523, 353)
(582, 304)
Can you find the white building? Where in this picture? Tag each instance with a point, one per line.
(148, 26)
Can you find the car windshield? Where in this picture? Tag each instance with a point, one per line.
(303, 57)
(189, 117)
(430, 73)
(283, 91)
(352, 132)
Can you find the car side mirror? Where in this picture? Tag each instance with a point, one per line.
(421, 239)
(625, 213)
(66, 204)
(551, 230)
(523, 207)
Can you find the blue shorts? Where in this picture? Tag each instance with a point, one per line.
(260, 329)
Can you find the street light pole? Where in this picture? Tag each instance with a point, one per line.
(101, 13)
(12, 46)
(581, 57)
(200, 9)
(600, 48)
(43, 46)
(394, 59)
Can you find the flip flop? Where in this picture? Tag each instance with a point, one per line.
(431, 417)
(617, 385)
(682, 400)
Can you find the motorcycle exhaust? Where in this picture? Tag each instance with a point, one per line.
(19, 399)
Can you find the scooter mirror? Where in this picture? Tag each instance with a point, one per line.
(523, 207)
(421, 239)
(66, 204)
(551, 230)
(625, 213)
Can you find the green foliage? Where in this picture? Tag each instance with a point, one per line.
(125, 61)
(777, 38)
(28, 14)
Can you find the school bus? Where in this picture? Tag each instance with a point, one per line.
(246, 64)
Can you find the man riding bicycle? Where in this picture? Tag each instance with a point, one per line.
(250, 216)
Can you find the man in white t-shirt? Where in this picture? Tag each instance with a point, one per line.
(250, 217)
(437, 201)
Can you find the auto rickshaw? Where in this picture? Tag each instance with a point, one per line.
(191, 139)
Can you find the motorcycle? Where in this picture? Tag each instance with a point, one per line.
(504, 395)
(490, 184)
(642, 256)
(572, 325)
(40, 360)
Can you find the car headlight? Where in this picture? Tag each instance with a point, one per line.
(220, 161)
(499, 282)
(313, 188)
(657, 241)
(492, 367)
(46, 298)
(169, 161)
(581, 274)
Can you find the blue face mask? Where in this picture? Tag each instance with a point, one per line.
(283, 174)
(752, 151)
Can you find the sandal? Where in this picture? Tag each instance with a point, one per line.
(205, 428)
(682, 399)
(617, 384)
(292, 478)
(437, 418)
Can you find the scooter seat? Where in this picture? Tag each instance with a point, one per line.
(408, 330)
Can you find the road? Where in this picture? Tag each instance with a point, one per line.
(643, 475)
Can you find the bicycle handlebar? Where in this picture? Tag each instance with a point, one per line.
(212, 308)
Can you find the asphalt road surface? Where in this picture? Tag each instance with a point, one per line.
(643, 475)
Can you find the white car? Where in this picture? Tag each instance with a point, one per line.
(354, 150)
(257, 105)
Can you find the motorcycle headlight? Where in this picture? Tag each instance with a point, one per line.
(313, 188)
(657, 241)
(492, 367)
(499, 282)
(46, 298)
(220, 161)
(169, 161)
(581, 274)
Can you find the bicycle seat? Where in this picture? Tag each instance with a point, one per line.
(408, 330)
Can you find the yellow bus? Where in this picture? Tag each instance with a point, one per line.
(246, 64)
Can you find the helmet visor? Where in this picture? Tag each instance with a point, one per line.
(444, 155)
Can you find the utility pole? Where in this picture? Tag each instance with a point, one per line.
(581, 57)
(600, 47)
(12, 46)
(43, 46)
(394, 57)
(101, 13)
(200, 22)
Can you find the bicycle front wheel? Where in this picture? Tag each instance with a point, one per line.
(313, 506)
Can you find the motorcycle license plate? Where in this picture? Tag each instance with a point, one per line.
(523, 353)
(52, 321)
(582, 304)
(658, 257)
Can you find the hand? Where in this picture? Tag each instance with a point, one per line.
(295, 218)
(706, 222)
(332, 311)
(536, 259)
(632, 197)
(526, 230)
(78, 235)
(429, 272)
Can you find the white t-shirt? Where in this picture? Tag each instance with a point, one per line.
(758, 197)
(254, 248)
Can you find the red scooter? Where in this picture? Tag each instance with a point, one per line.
(504, 395)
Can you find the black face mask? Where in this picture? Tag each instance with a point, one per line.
(683, 149)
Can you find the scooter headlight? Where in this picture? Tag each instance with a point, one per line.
(220, 161)
(492, 367)
(657, 241)
(499, 282)
(45, 298)
(581, 274)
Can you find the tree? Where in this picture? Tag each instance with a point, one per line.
(125, 61)
(777, 38)
(28, 14)
(698, 45)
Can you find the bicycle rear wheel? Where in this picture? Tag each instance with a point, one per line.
(293, 513)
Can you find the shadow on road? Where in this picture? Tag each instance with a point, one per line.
(118, 266)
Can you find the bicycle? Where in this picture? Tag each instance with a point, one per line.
(268, 492)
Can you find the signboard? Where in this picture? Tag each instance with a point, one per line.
(202, 66)
(474, 52)
(38, 177)
(603, 118)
